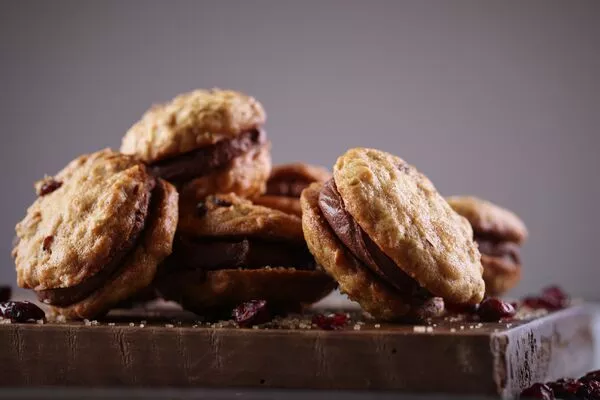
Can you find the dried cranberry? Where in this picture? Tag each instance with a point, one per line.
(49, 186)
(552, 298)
(5, 293)
(538, 391)
(331, 322)
(21, 311)
(201, 209)
(565, 388)
(253, 312)
(591, 376)
(493, 309)
(47, 243)
(220, 202)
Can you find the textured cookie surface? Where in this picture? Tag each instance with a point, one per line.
(360, 284)
(190, 121)
(230, 215)
(489, 219)
(245, 176)
(139, 268)
(402, 212)
(70, 233)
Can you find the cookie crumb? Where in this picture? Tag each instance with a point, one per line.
(40, 322)
(87, 322)
(377, 326)
(462, 327)
(357, 327)
(452, 330)
(173, 326)
(420, 329)
(429, 329)
(111, 324)
(142, 325)
(131, 324)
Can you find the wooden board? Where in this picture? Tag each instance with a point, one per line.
(487, 359)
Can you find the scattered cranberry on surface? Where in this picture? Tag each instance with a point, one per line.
(253, 312)
(21, 311)
(49, 186)
(493, 309)
(552, 298)
(5, 293)
(565, 388)
(591, 376)
(538, 391)
(331, 322)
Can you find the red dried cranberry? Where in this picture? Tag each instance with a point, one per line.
(253, 312)
(589, 390)
(552, 298)
(49, 186)
(493, 309)
(21, 311)
(47, 243)
(538, 391)
(331, 322)
(565, 388)
(5, 293)
(591, 376)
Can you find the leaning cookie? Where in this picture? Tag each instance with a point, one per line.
(228, 251)
(286, 183)
(391, 241)
(499, 233)
(205, 142)
(95, 235)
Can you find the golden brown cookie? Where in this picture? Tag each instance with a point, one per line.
(400, 232)
(205, 141)
(229, 250)
(286, 184)
(94, 222)
(499, 234)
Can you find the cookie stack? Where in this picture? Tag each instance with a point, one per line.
(190, 208)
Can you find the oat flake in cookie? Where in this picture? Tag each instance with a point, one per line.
(97, 237)
(286, 183)
(499, 234)
(228, 251)
(394, 245)
(205, 142)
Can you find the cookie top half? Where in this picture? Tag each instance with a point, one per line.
(82, 217)
(489, 219)
(405, 216)
(228, 215)
(191, 121)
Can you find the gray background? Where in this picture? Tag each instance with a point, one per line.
(499, 99)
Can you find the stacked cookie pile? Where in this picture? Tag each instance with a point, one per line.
(191, 210)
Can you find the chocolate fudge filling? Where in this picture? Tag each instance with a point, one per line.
(507, 251)
(286, 187)
(233, 253)
(63, 297)
(362, 247)
(207, 159)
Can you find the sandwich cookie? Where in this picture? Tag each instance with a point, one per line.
(95, 235)
(500, 234)
(286, 183)
(228, 251)
(205, 142)
(394, 245)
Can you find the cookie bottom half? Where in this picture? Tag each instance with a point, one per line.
(284, 288)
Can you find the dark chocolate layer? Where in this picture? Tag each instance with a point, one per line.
(506, 250)
(207, 159)
(361, 246)
(63, 297)
(222, 253)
